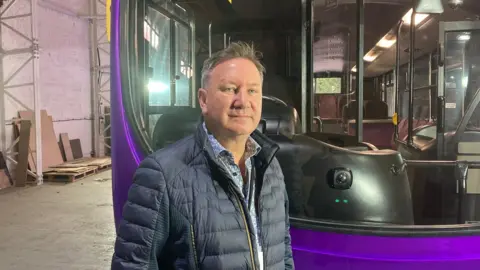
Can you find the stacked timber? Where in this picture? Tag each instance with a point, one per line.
(62, 160)
(74, 170)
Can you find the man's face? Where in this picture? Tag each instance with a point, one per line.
(232, 100)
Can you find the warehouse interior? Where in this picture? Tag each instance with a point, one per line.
(55, 101)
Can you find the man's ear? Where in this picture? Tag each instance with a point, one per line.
(202, 99)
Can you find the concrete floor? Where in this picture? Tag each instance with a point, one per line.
(58, 226)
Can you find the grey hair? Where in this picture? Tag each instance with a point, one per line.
(238, 49)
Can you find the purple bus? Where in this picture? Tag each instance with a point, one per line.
(382, 172)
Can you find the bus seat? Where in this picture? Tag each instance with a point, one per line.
(325, 198)
(375, 131)
(174, 126)
(279, 117)
(350, 111)
(326, 105)
(376, 109)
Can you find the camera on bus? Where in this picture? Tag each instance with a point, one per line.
(340, 178)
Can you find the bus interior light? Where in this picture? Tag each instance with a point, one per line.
(387, 41)
(419, 17)
(464, 37)
(370, 56)
(429, 7)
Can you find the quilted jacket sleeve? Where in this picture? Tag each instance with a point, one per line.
(289, 265)
(145, 227)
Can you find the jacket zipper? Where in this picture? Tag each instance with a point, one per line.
(261, 233)
(248, 232)
(194, 249)
(259, 216)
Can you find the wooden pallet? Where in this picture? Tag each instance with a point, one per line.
(104, 167)
(84, 162)
(68, 175)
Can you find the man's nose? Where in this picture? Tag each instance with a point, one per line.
(241, 98)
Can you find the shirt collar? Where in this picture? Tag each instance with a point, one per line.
(252, 148)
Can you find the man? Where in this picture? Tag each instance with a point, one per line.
(216, 199)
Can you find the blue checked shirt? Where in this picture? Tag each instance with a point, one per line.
(226, 159)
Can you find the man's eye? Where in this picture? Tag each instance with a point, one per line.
(228, 89)
(252, 91)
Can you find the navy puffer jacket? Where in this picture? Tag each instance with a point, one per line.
(183, 212)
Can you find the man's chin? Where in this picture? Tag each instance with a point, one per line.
(241, 130)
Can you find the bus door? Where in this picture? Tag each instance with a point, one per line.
(168, 61)
(458, 132)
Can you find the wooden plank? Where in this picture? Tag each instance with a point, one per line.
(76, 148)
(23, 150)
(32, 157)
(66, 147)
(51, 151)
(86, 162)
(73, 170)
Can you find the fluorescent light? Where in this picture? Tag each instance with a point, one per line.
(407, 18)
(464, 37)
(430, 6)
(387, 41)
(370, 56)
(156, 86)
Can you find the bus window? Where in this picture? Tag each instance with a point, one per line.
(328, 85)
(168, 57)
(456, 75)
(157, 36)
(183, 68)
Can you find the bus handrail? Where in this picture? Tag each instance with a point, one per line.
(442, 163)
(426, 87)
(319, 123)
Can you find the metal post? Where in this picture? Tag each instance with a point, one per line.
(348, 87)
(210, 39)
(94, 73)
(6, 88)
(3, 133)
(430, 89)
(309, 66)
(173, 63)
(360, 68)
(411, 76)
(304, 67)
(36, 93)
(193, 62)
(461, 171)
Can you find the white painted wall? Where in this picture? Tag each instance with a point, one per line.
(64, 82)
(65, 70)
